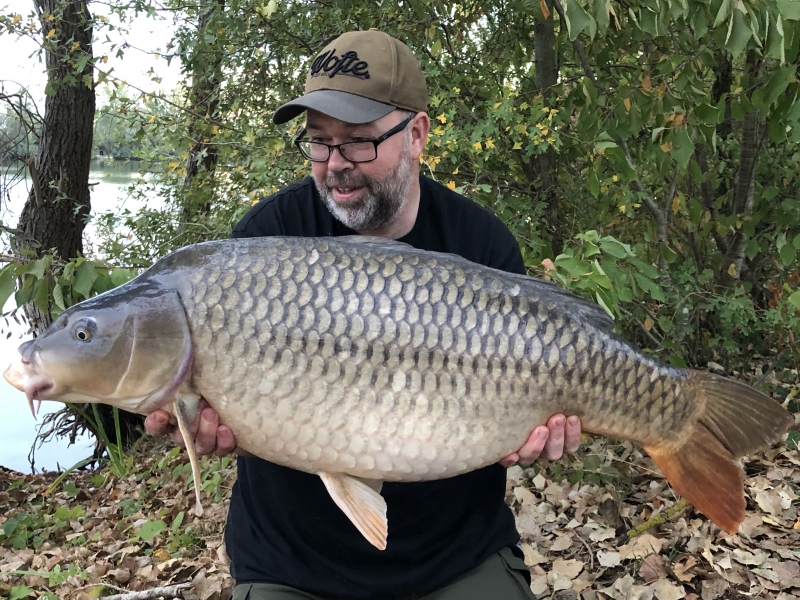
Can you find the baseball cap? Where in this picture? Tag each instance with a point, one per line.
(359, 77)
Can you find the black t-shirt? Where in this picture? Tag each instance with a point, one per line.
(283, 527)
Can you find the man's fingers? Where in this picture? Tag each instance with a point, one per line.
(205, 441)
(510, 460)
(531, 450)
(226, 442)
(157, 423)
(554, 447)
(572, 435)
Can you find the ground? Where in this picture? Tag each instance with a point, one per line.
(100, 533)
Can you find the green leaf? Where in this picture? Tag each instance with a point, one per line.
(594, 184)
(6, 284)
(615, 248)
(151, 529)
(789, 9)
(85, 277)
(682, 148)
(723, 12)
(577, 19)
(120, 276)
(787, 254)
(41, 295)
(753, 248)
(176, 523)
(739, 34)
(776, 40)
(20, 591)
(795, 299)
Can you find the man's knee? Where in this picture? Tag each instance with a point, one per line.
(502, 576)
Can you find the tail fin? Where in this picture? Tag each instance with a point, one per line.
(737, 420)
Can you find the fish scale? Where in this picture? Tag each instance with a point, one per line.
(402, 358)
(365, 359)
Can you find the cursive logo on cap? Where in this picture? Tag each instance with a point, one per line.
(329, 64)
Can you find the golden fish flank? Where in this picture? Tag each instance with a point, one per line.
(363, 360)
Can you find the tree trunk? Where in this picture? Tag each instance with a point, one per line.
(57, 207)
(730, 269)
(540, 170)
(205, 65)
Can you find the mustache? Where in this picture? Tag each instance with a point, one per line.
(346, 179)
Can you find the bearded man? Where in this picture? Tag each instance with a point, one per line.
(366, 128)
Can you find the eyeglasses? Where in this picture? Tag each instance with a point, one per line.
(355, 152)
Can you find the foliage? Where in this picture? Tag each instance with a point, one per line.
(663, 154)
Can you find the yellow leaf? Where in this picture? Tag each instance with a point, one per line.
(50, 17)
(661, 89)
(648, 323)
(627, 104)
(456, 171)
(174, 165)
(517, 146)
(676, 204)
(161, 554)
(646, 83)
(456, 90)
(442, 118)
(105, 59)
(152, 119)
(732, 270)
(16, 19)
(451, 184)
(50, 33)
(666, 146)
(477, 146)
(496, 104)
(622, 208)
(490, 143)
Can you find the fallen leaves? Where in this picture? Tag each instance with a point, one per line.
(100, 534)
(576, 544)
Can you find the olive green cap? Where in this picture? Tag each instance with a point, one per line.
(359, 77)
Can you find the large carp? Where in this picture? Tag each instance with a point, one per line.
(365, 360)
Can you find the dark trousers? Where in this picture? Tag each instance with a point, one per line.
(501, 577)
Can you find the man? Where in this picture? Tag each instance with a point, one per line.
(366, 127)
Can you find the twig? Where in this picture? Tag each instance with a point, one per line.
(168, 591)
(588, 549)
(658, 519)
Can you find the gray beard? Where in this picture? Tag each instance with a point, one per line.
(383, 200)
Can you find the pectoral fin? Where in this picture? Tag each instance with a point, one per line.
(362, 504)
(185, 413)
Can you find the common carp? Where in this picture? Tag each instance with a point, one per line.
(365, 360)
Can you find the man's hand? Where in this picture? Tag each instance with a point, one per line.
(209, 435)
(560, 436)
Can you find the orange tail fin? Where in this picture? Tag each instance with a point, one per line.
(737, 420)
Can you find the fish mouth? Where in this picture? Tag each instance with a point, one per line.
(36, 387)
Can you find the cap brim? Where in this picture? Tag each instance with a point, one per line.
(339, 105)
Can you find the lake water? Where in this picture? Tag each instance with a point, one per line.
(17, 426)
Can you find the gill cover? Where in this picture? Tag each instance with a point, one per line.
(131, 349)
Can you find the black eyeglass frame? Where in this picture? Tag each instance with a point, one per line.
(331, 147)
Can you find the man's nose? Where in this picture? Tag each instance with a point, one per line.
(337, 161)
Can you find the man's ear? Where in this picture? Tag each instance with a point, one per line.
(420, 129)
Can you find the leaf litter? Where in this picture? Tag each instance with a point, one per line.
(99, 534)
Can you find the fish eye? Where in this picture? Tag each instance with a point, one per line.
(84, 329)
